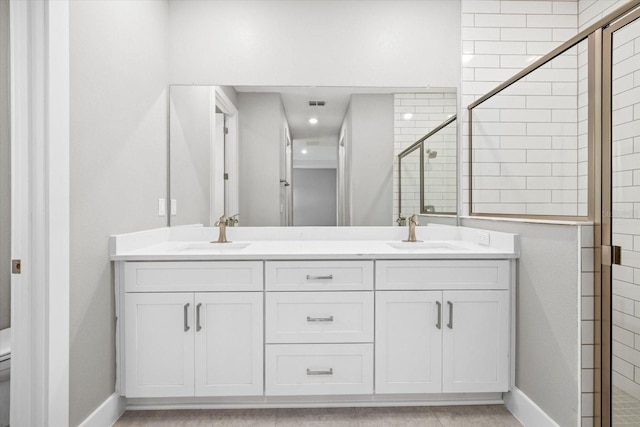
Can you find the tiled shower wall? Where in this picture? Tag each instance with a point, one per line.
(428, 111)
(526, 148)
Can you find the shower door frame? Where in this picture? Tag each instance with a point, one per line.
(603, 227)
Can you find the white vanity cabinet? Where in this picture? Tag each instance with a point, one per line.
(297, 323)
(179, 343)
(450, 337)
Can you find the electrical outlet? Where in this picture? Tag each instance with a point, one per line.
(162, 207)
(483, 237)
(174, 207)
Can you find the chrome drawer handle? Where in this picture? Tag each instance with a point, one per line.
(186, 317)
(329, 372)
(320, 319)
(198, 327)
(450, 324)
(329, 277)
(439, 324)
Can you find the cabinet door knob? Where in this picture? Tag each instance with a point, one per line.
(450, 324)
(439, 324)
(186, 317)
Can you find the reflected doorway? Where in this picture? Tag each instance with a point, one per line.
(314, 181)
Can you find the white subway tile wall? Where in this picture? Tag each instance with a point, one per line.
(535, 131)
(519, 123)
(626, 209)
(587, 318)
(417, 114)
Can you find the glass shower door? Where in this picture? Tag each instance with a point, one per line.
(622, 225)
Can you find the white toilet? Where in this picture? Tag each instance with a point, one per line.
(5, 375)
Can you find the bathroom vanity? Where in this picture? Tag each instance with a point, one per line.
(313, 316)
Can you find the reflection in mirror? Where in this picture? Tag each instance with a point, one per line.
(428, 173)
(440, 171)
(302, 155)
(203, 182)
(410, 190)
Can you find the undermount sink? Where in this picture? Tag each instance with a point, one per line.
(202, 246)
(421, 246)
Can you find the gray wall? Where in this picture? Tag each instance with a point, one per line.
(314, 196)
(191, 121)
(118, 143)
(260, 117)
(5, 170)
(368, 43)
(547, 324)
(370, 126)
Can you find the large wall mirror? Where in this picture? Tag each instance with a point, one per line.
(288, 156)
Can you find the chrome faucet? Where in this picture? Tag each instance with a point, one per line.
(413, 221)
(222, 224)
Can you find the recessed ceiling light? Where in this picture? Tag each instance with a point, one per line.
(407, 116)
(303, 151)
(313, 120)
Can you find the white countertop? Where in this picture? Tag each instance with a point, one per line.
(278, 243)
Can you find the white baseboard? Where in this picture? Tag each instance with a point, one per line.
(526, 411)
(107, 413)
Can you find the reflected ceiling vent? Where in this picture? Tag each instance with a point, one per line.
(316, 103)
(311, 143)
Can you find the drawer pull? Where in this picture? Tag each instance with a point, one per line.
(311, 372)
(439, 324)
(450, 324)
(329, 277)
(186, 317)
(320, 319)
(198, 327)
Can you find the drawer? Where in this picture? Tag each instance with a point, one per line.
(318, 369)
(435, 274)
(319, 317)
(193, 276)
(319, 275)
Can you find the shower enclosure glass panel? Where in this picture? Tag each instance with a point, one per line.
(440, 171)
(625, 224)
(410, 176)
(529, 146)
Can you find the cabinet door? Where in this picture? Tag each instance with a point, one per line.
(476, 341)
(229, 344)
(159, 344)
(408, 342)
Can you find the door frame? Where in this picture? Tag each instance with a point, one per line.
(40, 121)
(603, 228)
(231, 155)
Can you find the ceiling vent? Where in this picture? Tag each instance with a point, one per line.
(316, 103)
(312, 143)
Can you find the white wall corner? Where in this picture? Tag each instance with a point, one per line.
(526, 411)
(107, 413)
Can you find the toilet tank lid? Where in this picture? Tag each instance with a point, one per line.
(5, 342)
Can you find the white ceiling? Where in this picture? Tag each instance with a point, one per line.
(296, 105)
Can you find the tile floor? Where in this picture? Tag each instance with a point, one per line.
(435, 416)
(625, 409)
